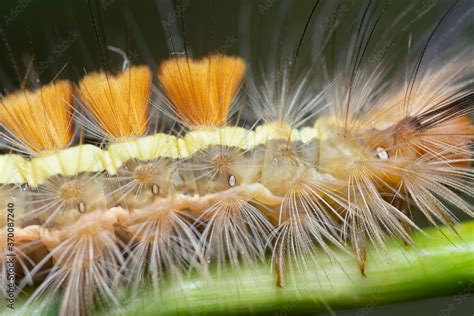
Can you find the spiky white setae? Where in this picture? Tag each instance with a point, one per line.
(309, 218)
(82, 267)
(235, 233)
(284, 97)
(369, 216)
(434, 187)
(162, 246)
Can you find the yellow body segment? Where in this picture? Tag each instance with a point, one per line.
(90, 158)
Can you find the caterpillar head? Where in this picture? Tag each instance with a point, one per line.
(441, 133)
(411, 142)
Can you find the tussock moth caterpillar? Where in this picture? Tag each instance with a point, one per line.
(137, 174)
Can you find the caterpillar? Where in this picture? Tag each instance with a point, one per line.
(135, 175)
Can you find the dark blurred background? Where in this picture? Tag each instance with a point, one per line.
(48, 39)
(40, 40)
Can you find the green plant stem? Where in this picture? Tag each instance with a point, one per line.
(441, 263)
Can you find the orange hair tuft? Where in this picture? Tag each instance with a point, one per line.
(202, 90)
(119, 103)
(40, 119)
